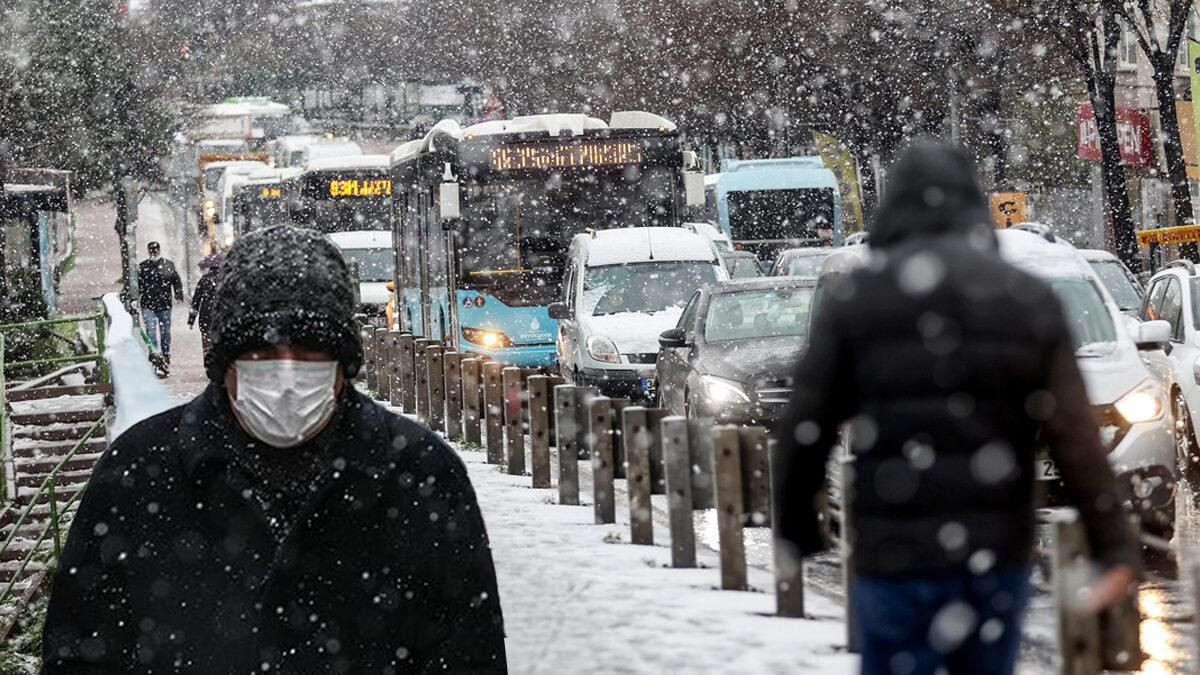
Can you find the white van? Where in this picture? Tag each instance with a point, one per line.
(621, 289)
(371, 256)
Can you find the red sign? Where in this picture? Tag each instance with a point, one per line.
(1133, 135)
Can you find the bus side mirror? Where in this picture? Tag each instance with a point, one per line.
(559, 311)
(448, 202)
(693, 188)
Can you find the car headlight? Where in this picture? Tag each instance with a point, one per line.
(491, 339)
(602, 349)
(1142, 404)
(720, 390)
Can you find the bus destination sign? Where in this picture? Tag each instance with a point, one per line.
(359, 187)
(579, 155)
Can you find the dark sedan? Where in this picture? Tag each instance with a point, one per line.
(731, 355)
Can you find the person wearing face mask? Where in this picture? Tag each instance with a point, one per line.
(158, 280)
(281, 521)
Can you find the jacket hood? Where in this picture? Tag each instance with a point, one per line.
(932, 190)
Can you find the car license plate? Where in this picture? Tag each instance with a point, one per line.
(648, 387)
(1046, 469)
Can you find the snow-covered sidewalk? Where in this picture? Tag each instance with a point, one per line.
(577, 597)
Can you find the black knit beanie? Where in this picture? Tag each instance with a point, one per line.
(281, 286)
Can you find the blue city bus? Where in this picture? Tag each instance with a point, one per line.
(767, 205)
(483, 217)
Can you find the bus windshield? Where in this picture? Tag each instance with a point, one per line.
(355, 215)
(775, 215)
(517, 231)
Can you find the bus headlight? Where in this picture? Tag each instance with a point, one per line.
(1142, 404)
(603, 349)
(491, 339)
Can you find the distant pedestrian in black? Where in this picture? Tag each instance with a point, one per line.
(281, 522)
(204, 296)
(946, 363)
(157, 282)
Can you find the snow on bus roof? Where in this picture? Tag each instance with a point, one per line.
(555, 124)
(348, 162)
(645, 244)
(362, 239)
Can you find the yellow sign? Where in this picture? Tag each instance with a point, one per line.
(839, 160)
(1183, 234)
(360, 187)
(269, 192)
(1008, 208)
(518, 156)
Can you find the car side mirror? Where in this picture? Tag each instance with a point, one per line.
(1151, 335)
(559, 311)
(672, 338)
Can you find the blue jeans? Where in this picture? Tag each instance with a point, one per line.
(959, 624)
(157, 320)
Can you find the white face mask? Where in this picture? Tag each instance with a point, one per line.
(283, 402)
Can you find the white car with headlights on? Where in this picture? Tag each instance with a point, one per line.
(1130, 399)
(622, 288)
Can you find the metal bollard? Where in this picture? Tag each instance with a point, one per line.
(538, 390)
(395, 391)
(383, 365)
(638, 439)
(789, 564)
(421, 377)
(514, 394)
(452, 362)
(436, 376)
(470, 392)
(600, 438)
(566, 400)
(407, 372)
(727, 479)
(493, 414)
(677, 454)
(846, 538)
(368, 367)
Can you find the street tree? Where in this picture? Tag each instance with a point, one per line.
(1159, 26)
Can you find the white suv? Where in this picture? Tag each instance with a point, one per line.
(1129, 398)
(1172, 296)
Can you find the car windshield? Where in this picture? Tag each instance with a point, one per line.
(1091, 324)
(374, 264)
(744, 267)
(643, 287)
(1120, 286)
(804, 265)
(757, 314)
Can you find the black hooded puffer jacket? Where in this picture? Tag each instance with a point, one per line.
(940, 356)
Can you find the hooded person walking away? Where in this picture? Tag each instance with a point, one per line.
(204, 297)
(280, 522)
(158, 280)
(946, 364)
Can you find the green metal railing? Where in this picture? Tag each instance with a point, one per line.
(53, 526)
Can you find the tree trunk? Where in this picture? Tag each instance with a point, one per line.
(1124, 235)
(1181, 194)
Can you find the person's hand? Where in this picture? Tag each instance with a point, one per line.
(1110, 588)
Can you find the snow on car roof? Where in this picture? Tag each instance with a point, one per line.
(1037, 254)
(1097, 255)
(348, 162)
(646, 244)
(362, 239)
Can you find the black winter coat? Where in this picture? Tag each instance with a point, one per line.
(203, 297)
(947, 363)
(170, 566)
(158, 280)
